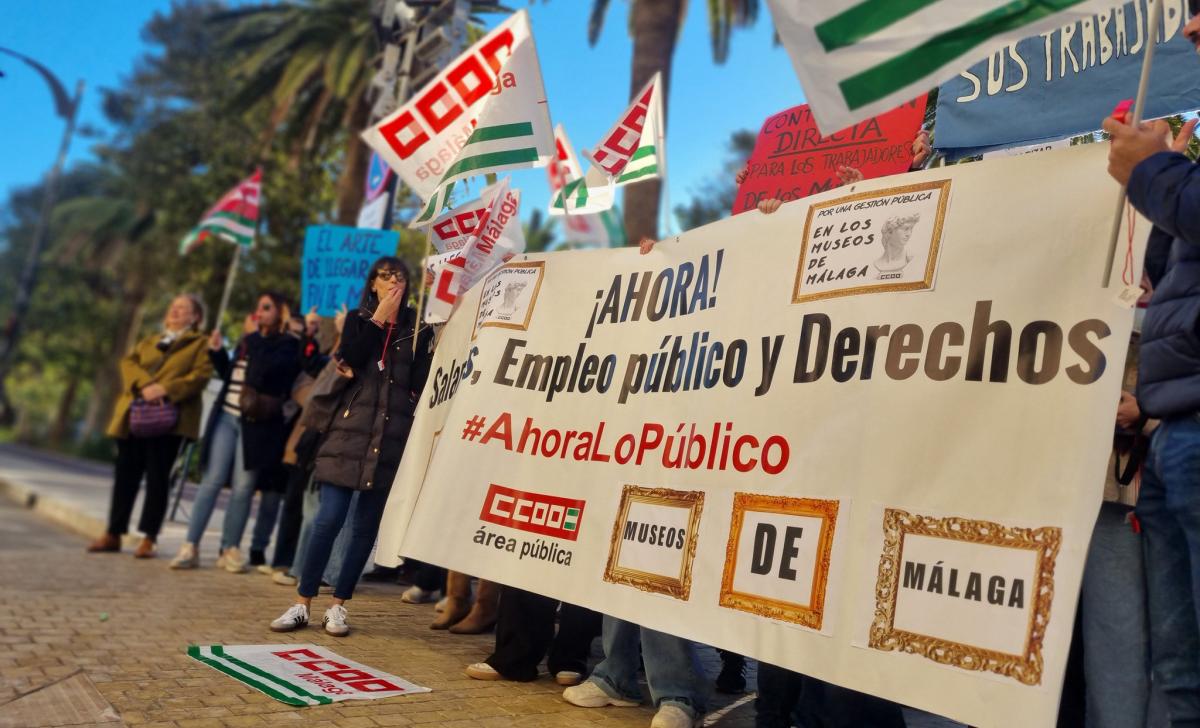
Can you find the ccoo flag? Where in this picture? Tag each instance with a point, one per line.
(600, 229)
(859, 58)
(485, 113)
(234, 217)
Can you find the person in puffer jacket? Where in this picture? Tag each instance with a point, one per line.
(365, 438)
(1164, 185)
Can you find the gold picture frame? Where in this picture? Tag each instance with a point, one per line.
(540, 265)
(678, 587)
(811, 615)
(1025, 668)
(930, 265)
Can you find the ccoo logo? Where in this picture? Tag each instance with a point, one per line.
(548, 515)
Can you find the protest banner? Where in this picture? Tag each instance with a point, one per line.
(792, 160)
(1067, 80)
(857, 58)
(336, 262)
(302, 675)
(888, 488)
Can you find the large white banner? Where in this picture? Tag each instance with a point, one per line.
(864, 438)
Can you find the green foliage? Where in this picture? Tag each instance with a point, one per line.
(714, 200)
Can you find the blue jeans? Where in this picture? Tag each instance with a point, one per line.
(224, 461)
(673, 668)
(312, 503)
(335, 504)
(264, 525)
(341, 544)
(1169, 510)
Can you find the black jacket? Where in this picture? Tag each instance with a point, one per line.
(365, 440)
(274, 362)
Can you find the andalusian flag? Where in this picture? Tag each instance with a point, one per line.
(233, 218)
(485, 113)
(860, 58)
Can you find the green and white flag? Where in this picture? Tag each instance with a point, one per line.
(485, 113)
(233, 218)
(860, 58)
(635, 148)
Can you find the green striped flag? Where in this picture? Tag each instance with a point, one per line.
(233, 218)
(484, 113)
(635, 148)
(860, 58)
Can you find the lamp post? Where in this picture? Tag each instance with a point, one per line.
(67, 108)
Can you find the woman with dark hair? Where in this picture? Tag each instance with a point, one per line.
(365, 438)
(159, 405)
(245, 432)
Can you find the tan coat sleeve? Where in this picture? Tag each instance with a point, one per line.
(192, 380)
(133, 376)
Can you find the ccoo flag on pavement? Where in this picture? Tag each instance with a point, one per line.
(859, 58)
(234, 217)
(485, 113)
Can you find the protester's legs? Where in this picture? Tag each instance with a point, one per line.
(429, 577)
(127, 478)
(364, 527)
(237, 513)
(221, 454)
(845, 708)
(160, 457)
(577, 627)
(268, 513)
(617, 672)
(341, 544)
(328, 522)
(524, 629)
(290, 518)
(778, 693)
(1174, 634)
(674, 673)
(1113, 607)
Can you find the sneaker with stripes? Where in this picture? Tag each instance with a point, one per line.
(294, 618)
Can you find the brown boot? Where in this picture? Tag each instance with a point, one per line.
(106, 544)
(458, 600)
(146, 549)
(483, 615)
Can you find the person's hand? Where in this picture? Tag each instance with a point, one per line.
(850, 175)
(339, 319)
(428, 278)
(215, 341)
(1131, 145)
(250, 324)
(389, 305)
(1128, 412)
(312, 317)
(1184, 137)
(921, 148)
(742, 175)
(646, 245)
(766, 207)
(343, 369)
(153, 392)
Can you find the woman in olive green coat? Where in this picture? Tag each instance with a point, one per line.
(171, 366)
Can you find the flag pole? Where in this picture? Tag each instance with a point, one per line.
(233, 266)
(1139, 106)
(421, 286)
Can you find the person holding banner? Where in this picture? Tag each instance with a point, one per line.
(245, 434)
(365, 440)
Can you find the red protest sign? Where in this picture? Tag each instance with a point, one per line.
(792, 160)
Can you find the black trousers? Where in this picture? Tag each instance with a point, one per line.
(291, 517)
(426, 576)
(822, 704)
(525, 634)
(151, 457)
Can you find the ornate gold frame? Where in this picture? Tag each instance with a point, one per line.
(680, 587)
(523, 326)
(810, 616)
(1025, 668)
(930, 265)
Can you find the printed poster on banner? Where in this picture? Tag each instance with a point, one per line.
(792, 160)
(302, 675)
(626, 429)
(336, 262)
(1066, 81)
(486, 113)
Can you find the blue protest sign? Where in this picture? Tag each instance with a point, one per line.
(1066, 81)
(336, 261)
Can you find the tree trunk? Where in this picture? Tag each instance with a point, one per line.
(62, 419)
(350, 188)
(108, 376)
(655, 25)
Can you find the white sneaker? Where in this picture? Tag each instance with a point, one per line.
(335, 621)
(567, 678)
(589, 695)
(282, 578)
(441, 605)
(231, 560)
(672, 716)
(294, 618)
(417, 595)
(482, 671)
(187, 558)
(265, 569)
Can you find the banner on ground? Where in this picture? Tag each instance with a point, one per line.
(1067, 80)
(792, 160)
(859, 58)
(484, 114)
(233, 218)
(302, 675)
(336, 262)
(580, 230)
(875, 459)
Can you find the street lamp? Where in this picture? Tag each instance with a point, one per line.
(67, 108)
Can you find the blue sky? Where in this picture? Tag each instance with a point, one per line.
(587, 87)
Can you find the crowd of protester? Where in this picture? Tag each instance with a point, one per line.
(319, 432)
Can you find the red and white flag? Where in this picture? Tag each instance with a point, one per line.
(234, 217)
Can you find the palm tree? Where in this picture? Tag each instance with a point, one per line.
(654, 26)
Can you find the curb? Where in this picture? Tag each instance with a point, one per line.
(62, 513)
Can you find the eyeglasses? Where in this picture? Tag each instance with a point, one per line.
(390, 275)
(265, 306)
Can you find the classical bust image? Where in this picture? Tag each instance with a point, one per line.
(896, 232)
(512, 292)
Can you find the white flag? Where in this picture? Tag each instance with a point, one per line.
(485, 113)
(599, 229)
(635, 148)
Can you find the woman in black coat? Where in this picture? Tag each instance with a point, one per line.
(365, 438)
